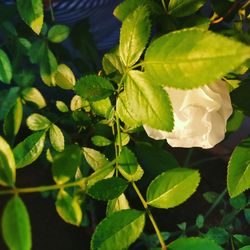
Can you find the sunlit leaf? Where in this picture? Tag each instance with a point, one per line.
(58, 33)
(56, 138)
(37, 122)
(117, 204)
(33, 95)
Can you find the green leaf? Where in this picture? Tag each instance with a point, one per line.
(37, 51)
(38, 122)
(247, 214)
(65, 164)
(32, 13)
(13, 120)
(58, 33)
(5, 68)
(117, 204)
(199, 221)
(135, 32)
(62, 107)
(27, 151)
(192, 63)
(100, 174)
(239, 202)
(218, 234)
(68, 208)
(48, 67)
(119, 230)
(102, 107)
(94, 88)
(235, 121)
(34, 96)
(100, 141)
(64, 77)
(181, 8)
(241, 240)
(16, 225)
(128, 165)
(56, 138)
(148, 101)
(210, 197)
(94, 158)
(172, 187)
(108, 189)
(7, 164)
(245, 248)
(238, 173)
(193, 243)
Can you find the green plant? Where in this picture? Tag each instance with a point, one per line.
(96, 145)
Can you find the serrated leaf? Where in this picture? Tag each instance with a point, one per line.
(218, 234)
(100, 141)
(13, 120)
(65, 164)
(117, 204)
(94, 88)
(119, 230)
(48, 67)
(38, 122)
(124, 111)
(128, 165)
(62, 107)
(58, 33)
(181, 8)
(5, 68)
(100, 174)
(7, 164)
(64, 77)
(135, 32)
(16, 225)
(108, 189)
(27, 151)
(172, 187)
(193, 243)
(32, 13)
(148, 101)
(68, 208)
(94, 158)
(56, 138)
(33, 95)
(192, 63)
(238, 172)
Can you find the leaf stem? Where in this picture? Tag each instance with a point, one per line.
(151, 217)
(164, 6)
(80, 182)
(51, 11)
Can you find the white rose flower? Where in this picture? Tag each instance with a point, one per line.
(200, 116)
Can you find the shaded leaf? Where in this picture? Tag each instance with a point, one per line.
(100, 141)
(218, 234)
(5, 68)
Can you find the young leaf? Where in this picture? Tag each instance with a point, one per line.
(29, 149)
(128, 165)
(62, 107)
(148, 101)
(16, 225)
(172, 187)
(108, 189)
(56, 138)
(192, 63)
(7, 164)
(239, 169)
(32, 13)
(38, 122)
(218, 234)
(68, 208)
(94, 88)
(5, 68)
(64, 77)
(181, 8)
(33, 95)
(117, 204)
(102, 107)
(48, 67)
(65, 164)
(193, 243)
(100, 141)
(94, 158)
(119, 230)
(135, 32)
(58, 33)
(13, 120)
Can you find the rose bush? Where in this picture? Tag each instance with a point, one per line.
(200, 116)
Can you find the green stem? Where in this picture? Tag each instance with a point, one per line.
(51, 11)
(43, 188)
(216, 203)
(164, 6)
(119, 138)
